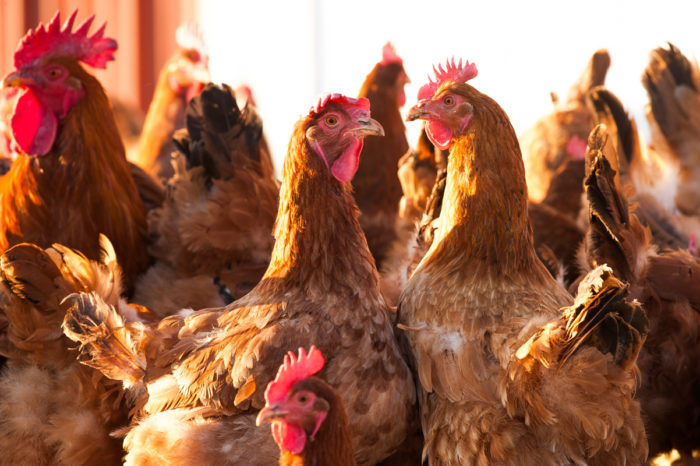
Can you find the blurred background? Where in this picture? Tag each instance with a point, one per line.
(290, 52)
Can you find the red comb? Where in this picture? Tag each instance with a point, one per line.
(340, 99)
(454, 72)
(95, 51)
(189, 37)
(389, 55)
(293, 370)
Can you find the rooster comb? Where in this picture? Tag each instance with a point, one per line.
(452, 72)
(339, 99)
(51, 39)
(389, 55)
(293, 370)
(189, 37)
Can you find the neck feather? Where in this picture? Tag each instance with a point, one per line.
(484, 216)
(319, 241)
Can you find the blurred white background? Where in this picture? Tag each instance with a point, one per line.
(290, 52)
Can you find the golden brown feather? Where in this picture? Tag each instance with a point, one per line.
(484, 320)
(667, 284)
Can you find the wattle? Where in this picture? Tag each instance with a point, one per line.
(439, 134)
(288, 436)
(33, 125)
(345, 166)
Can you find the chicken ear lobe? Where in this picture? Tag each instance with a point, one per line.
(33, 125)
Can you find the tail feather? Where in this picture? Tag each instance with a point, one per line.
(602, 316)
(667, 70)
(37, 281)
(220, 137)
(615, 237)
(106, 341)
(594, 75)
(624, 137)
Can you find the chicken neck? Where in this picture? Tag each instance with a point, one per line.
(319, 243)
(484, 218)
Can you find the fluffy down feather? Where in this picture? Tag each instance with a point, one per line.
(216, 221)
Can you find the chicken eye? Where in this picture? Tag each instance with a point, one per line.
(331, 121)
(303, 399)
(449, 100)
(54, 73)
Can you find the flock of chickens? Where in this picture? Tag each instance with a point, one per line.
(161, 311)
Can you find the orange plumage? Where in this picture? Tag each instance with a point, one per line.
(506, 377)
(83, 186)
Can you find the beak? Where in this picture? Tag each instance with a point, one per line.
(419, 111)
(14, 80)
(269, 414)
(368, 127)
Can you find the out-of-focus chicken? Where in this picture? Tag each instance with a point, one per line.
(506, 377)
(668, 286)
(200, 375)
(418, 170)
(672, 83)
(182, 77)
(70, 181)
(214, 230)
(377, 189)
(55, 410)
(308, 418)
(557, 137)
(650, 177)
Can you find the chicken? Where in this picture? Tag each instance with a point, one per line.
(651, 175)
(212, 238)
(55, 410)
(376, 187)
(302, 407)
(199, 376)
(668, 286)
(561, 135)
(674, 118)
(181, 78)
(418, 170)
(505, 375)
(65, 132)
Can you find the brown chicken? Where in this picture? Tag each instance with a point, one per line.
(181, 78)
(71, 180)
(212, 238)
(376, 187)
(561, 135)
(648, 176)
(511, 369)
(418, 170)
(55, 410)
(672, 83)
(308, 418)
(668, 286)
(199, 376)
